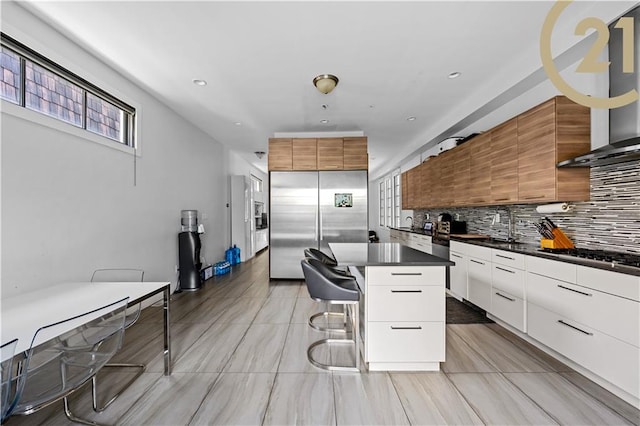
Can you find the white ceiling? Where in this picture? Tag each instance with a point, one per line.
(392, 59)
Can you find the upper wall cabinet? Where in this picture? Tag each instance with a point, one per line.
(280, 154)
(514, 162)
(304, 154)
(355, 154)
(556, 130)
(318, 154)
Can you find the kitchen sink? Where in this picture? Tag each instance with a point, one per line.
(504, 241)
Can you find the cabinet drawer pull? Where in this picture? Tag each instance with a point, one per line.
(406, 273)
(406, 328)
(475, 261)
(506, 270)
(505, 297)
(534, 198)
(455, 255)
(575, 328)
(505, 257)
(406, 291)
(575, 291)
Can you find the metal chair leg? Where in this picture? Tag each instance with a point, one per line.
(73, 418)
(355, 340)
(94, 385)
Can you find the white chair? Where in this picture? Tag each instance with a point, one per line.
(132, 315)
(65, 355)
(8, 391)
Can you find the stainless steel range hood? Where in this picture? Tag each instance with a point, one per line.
(624, 122)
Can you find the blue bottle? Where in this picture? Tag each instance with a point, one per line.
(229, 255)
(236, 255)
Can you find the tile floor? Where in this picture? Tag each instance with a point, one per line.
(239, 351)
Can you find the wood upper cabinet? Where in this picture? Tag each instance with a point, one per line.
(318, 154)
(551, 132)
(479, 169)
(304, 154)
(461, 176)
(424, 179)
(445, 185)
(404, 189)
(503, 170)
(330, 154)
(355, 153)
(280, 154)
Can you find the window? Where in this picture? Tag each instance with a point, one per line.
(389, 202)
(381, 197)
(396, 199)
(38, 84)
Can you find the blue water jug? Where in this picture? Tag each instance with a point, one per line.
(236, 255)
(229, 255)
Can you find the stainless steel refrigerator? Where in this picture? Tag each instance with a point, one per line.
(313, 209)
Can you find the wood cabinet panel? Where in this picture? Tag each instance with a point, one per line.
(404, 189)
(330, 154)
(355, 154)
(446, 167)
(280, 155)
(537, 153)
(461, 175)
(413, 180)
(304, 154)
(424, 176)
(573, 138)
(504, 163)
(479, 169)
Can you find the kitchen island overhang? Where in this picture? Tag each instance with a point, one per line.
(403, 310)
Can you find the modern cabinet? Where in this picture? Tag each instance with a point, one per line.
(458, 273)
(507, 288)
(297, 154)
(503, 160)
(242, 220)
(304, 154)
(479, 174)
(280, 154)
(330, 154)
(514, 162)
(404, 317)
(355, 153)
(262, 239)
(479, 276)
(556, 130)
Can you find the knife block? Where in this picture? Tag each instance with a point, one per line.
(560, 240)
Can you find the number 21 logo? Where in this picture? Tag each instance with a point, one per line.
(590, 61)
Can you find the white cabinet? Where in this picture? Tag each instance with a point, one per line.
(404, 317)
(262, 239)
(507, 288)
(458, 273)
(596, 329)
(479, 276)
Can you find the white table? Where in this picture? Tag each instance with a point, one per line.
(23, 314)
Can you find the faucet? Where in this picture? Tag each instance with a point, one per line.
(411, 219)
(511, 236)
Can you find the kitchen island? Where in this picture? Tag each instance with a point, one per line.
(402, 314)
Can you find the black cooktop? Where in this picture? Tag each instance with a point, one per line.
(614, 257)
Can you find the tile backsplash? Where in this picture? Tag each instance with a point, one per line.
(609, 221)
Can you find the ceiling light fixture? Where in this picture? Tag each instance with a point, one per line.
(324, 121)
(238, 123)
(455, 74)
(199, 82)
(412, 118)
(325, 83)
(259, 154)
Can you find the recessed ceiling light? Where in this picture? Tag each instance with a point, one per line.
(455, 74)
(238, 123)
(412, 118)
(199, 82)
(324, 121)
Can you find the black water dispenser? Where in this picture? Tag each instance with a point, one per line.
(189, 246)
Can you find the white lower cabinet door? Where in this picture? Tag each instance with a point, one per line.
(614, 360)
(479, 283)
(508, 308)
(406, 342)
(458, 274)
(410, 303)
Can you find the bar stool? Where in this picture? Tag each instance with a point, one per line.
(325, 286)
(312, 253)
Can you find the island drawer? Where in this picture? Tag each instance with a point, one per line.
(406, 341)
(405, 275)
(406, 303)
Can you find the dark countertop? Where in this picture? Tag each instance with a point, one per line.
(435, 239)
(533, 250)
(384, 254)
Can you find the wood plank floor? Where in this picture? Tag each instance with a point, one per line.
(239, 352)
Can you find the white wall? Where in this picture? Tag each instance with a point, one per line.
(69, 204)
